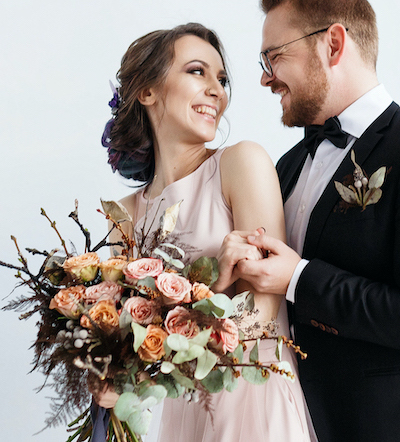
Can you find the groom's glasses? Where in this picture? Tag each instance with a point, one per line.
(265, 61)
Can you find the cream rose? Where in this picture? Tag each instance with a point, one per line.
(178, 321)
(83, 267)
(106, 290)
(66, 301)
(229, 336)
(201, 291)
(142, 268)
(141, 309)
(112, 269)
(174, 288)
(104, 314)
(152, 348)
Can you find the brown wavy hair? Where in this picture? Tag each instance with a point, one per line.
(145, 64)
(357, 16)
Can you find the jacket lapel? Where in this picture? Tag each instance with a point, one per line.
(330, 197)
(289, 174)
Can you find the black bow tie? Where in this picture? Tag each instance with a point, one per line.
(331, 130)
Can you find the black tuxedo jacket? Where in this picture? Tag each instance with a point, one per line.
(347, 303)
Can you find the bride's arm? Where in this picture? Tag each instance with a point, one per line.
(250, 186)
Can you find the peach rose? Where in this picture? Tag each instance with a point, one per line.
(174, 288)
(83, 267)
(152, 348)
(178, 321)
(66, 301)
(106, 290)
(141, 309)
(112, 269)
(229, 336)
(104, 314)
(142, 268)
(201, 291)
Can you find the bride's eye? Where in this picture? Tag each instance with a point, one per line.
(224, 81)
(196, 70)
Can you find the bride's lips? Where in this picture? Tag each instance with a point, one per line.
(208, 111)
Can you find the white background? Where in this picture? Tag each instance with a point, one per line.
(56, 59)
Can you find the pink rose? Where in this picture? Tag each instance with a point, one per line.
(229, 336)
(143, 267)
(174, 288)
(106, 290)
(83, 267)
(141, 309)
(66, 301)
(178, 321)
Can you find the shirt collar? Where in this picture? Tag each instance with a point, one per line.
(356, 118)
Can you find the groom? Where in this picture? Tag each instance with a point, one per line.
(341, 274)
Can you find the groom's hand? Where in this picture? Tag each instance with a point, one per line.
(235, 248)
(272, 274)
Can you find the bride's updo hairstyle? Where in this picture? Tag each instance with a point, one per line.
(128, 135)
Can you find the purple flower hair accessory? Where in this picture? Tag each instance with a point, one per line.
(116, 99)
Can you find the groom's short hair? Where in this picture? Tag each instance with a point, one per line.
(357, 16)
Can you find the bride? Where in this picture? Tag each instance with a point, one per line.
(173, 92)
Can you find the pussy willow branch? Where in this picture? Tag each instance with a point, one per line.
(74, 216)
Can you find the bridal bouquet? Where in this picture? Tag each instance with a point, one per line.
(141, 323)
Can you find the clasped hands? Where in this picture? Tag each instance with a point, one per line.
(265, 262)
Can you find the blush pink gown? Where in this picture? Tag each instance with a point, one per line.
(275, 411)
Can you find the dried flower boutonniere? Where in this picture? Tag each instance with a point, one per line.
(363, 191)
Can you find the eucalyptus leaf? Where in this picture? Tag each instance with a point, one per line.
(167, 367)
(202, 338)
(174, 389)
(183, 380)
(213, 382)
(204, 270)
(229, 380)
(125, 319)
(347, 194)
(116, 211)
(177, 263)
(149, 282)
(192, 353)
(238, 353)
(126, 403)
(377, 178)
(205, 363)
(139, 333)
(157, 392)
(177, 342)
(173, 246)
(243, 301)
(253, 357)
(223, 303)
(139, 421)
(253, 375)
(164, 255)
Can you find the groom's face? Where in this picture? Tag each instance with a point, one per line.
(298, 74)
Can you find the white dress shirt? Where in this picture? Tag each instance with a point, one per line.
(317, 172)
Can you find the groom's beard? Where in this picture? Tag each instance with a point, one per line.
(306, 101)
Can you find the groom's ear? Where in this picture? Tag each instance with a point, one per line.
(337, 39)
(147, 97)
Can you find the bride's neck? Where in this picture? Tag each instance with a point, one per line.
(173, 163)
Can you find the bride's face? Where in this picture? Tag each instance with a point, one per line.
(191, 101)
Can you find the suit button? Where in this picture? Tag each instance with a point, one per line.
(314, 323)
(322, 327)
(328, 329)
(334, 331)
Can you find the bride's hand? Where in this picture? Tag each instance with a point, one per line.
(235, 248)
(106, 398)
